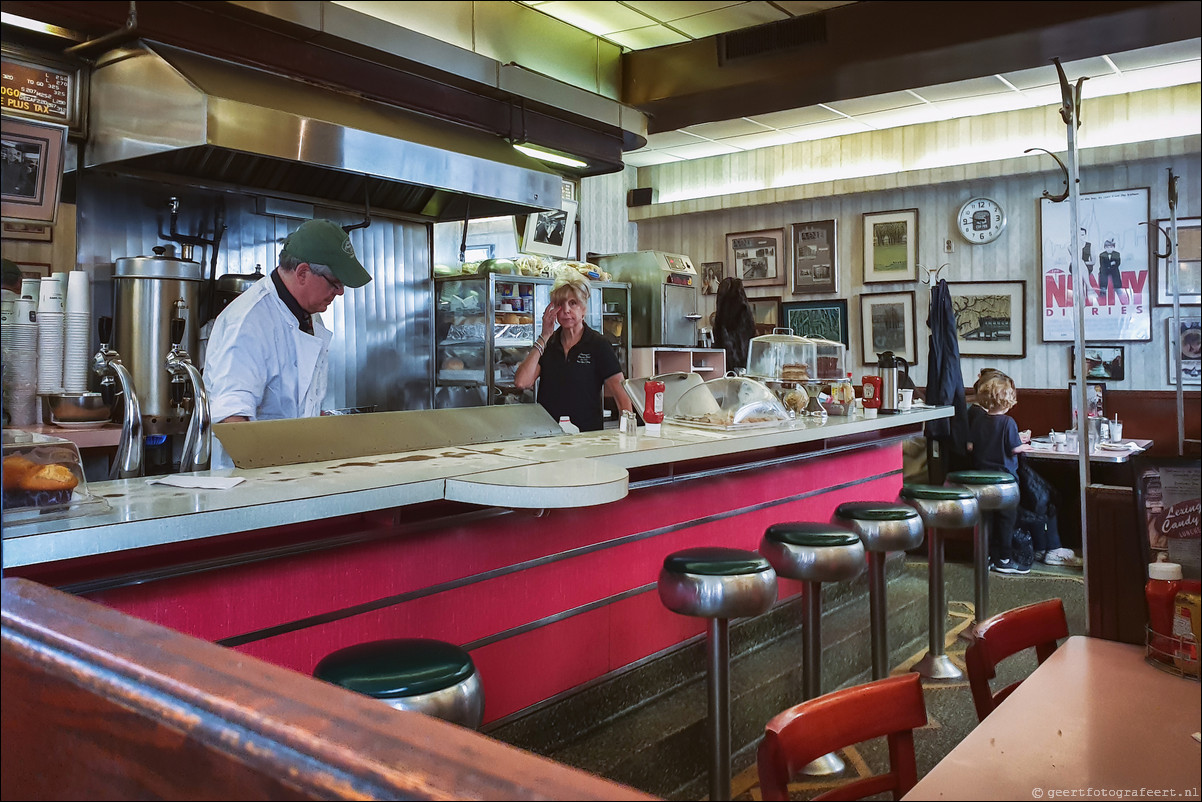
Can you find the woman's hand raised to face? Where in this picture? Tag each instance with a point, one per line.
(549, 315)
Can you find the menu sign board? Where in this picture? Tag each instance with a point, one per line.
(41, 88)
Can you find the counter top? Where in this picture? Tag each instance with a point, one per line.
(142, 515)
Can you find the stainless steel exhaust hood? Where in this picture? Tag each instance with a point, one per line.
(156, 109)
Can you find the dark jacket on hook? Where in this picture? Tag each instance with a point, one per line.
(734, 325)
(945, 381)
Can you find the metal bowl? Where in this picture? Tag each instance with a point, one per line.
(75, 408)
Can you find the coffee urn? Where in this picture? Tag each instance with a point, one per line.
(886, 367)
(148, 292)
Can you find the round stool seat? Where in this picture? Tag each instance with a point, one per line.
(717, 582)
(882, 525)
(428, 676)
(995, 490)
(813, 551)
(941, 506)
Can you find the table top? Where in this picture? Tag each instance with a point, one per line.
(1095, 716)
(1097, 454)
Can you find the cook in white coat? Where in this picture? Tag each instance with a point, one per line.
(267, 354)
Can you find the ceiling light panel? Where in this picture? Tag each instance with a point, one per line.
(842, 127)
(701, 150)
(672, 10)
(1188, 50)
(735, 17)
(648, 158)
(598, 17)
(727, 128)
(767, 139)
(669, 139)
(875, 103)
(794, 117)
(975, 87)
(643, 38)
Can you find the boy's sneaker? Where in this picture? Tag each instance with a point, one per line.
(1007, 567)
(1065, 557)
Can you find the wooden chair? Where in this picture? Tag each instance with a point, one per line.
(1033, 626)
(891, 707)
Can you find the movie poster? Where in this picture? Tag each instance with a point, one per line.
(1114, 255)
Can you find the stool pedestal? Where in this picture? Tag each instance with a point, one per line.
(814, 553)
(882, 527)
(719, 584)
(995, 490)
(940, 507)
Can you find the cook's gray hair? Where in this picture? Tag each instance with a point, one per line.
(289, 263)
(571, 282)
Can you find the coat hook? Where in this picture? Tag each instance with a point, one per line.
(1168, 238)
(930, 273)
(1063, 196)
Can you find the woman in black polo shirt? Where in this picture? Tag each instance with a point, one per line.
(573, 361)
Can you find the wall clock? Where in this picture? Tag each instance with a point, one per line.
(981, 220)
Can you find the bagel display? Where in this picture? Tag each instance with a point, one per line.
(28, 483)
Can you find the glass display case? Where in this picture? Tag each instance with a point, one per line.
(485, 326)
(44, 479)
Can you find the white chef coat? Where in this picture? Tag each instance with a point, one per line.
(260, 364)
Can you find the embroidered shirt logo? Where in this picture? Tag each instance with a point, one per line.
(584, 359)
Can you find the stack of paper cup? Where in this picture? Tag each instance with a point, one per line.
(50, 318)
(31, 287)
(19, 343)
(77, 332)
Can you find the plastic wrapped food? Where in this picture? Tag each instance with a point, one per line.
(732, 402)
(43, 478)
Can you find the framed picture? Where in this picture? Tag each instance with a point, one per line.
(37, 270)
(815, 267)
(825, 319)
(991, 317)
(887, 324)
(1095, 396)
(766, 314)
(891, 246)
(1102, 362)
(757, 257)
(711, 277)
(32, 169)
(23, 229)
(1190, 338)
(550, 233)
(1114, 256)
(1189, 263)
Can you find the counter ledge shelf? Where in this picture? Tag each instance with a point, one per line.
(370, 546)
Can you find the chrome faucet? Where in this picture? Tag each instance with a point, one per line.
(107, 365)
(199, 438)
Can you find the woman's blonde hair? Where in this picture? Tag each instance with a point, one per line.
(571, 281)
(997, 392)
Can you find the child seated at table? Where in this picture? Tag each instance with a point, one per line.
(995, 444)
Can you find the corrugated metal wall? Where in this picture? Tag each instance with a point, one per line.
(382, 346)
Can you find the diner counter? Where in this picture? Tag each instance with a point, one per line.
(141, 515)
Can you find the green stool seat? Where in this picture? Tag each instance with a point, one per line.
(813, 551)
(881, 525)
(422, 674)
(995, 490)
(942, 506)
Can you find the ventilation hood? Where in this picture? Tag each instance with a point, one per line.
(156, 109)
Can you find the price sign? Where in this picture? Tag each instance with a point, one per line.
(39, 88)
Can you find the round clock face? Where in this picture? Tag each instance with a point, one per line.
(981, 220)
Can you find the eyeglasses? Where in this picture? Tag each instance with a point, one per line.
(335, 284)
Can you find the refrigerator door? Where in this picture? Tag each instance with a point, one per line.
(680, 315)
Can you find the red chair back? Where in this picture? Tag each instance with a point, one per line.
(1034, 626)
(891, 707)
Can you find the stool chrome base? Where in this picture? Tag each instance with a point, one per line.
(937, 666)
(830, 763)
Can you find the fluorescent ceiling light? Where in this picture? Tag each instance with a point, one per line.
(39, 27)
(549, 156)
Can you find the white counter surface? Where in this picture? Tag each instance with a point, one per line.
(143, 515)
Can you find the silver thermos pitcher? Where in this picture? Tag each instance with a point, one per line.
(886, 366)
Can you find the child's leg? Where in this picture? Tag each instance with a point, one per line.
(1001, 534)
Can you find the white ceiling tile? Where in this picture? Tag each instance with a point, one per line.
(958, 89)
(702, 150)
(875, 103)
(794, 117)
(910, 115)
(1189, 50)
(987, 104)
(828, 129)
(670, 10)
(746, 15)
(670, 139)
(599, 17)
(800, 8)
(647, 158)
(643, 38)
(726, 128)
(767, 139)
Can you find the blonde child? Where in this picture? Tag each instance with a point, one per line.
(995, 444)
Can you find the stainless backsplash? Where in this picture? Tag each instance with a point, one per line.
(383, 342)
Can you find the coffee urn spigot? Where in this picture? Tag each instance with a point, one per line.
(198, 439)
(107, 365)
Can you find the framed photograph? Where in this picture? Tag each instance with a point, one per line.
(991, 317)
(1114, 256)
(887, 324)
(550, 233)
(891, 246)
(766, 314)
(23, 229)
(815, 267)
(711, 277)
(1189, 263)
(32, 169)
(1190, 338)
(1095, 395)
(1102, 362)
(37, 270)
(757, 257)
(825, 319)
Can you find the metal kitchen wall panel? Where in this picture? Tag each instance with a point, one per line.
(381, 353)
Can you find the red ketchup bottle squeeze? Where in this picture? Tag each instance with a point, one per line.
(872, 394)
(653, 405)
(1164, 579)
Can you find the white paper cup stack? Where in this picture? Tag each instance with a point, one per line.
(77, 332)
(19, 342)
(50, 319)
(31, 287)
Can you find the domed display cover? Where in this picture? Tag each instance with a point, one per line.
(782, 356)
(44, 479)
(734, 402)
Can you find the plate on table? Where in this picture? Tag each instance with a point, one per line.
(1116, 446)
(80, 424)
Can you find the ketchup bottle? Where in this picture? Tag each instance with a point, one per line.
(653, 405)
(872, 393)
(1164, 579)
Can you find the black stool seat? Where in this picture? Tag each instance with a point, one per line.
(423, 674)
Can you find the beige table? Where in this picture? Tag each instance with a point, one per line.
(1094, 719)
(1095, 455)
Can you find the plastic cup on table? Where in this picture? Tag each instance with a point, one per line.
(1116, 431)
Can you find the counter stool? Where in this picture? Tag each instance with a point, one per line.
(429, 676)
(995, 490)
(941, 507)
(719, 584)
(814, 553)
(882, 527)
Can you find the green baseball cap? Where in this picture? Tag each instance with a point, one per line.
(323, 242)
(12, 272)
